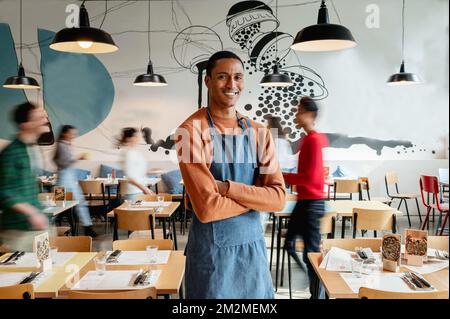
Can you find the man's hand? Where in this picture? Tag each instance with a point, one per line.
(223, 187)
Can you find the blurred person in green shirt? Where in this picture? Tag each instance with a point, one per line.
(21, 217)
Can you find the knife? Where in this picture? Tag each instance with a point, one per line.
(422, 280)
(30, 278)
(410, 285)
(138, 277)
(114, 255)
(11, 257)
(18, 256)
(414, 281)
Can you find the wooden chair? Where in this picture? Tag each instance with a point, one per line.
(95, 196)
(147, 293)
(23, 291)
(438, 242)
(327, 227)
(132, 220)
(373, 219)
(142, 243)
(347, 186)
(79, 244)
(391, 178)
(351, 243)
(369, 293)
(365, 185)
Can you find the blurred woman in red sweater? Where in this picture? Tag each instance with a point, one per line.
(305, 219)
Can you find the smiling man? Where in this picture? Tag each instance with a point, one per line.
(230, 172)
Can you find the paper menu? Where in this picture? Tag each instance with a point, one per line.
(140, 258)
(14, 278)
(432, 265)
(337, 259)
(153, 204)
(29, 260)
(114, 280)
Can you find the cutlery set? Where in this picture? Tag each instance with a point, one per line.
(30, 278)
(142, 278)
(113, 257)
(11, 260)
(416, 282)
(441, 254)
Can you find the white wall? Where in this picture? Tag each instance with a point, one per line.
(359, 102)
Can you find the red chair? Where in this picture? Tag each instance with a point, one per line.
(430, 185)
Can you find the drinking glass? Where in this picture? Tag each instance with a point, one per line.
(152, 251)
(100, 265)
(357, 264)
(160, 199)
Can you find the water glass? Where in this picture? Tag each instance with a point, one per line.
(152, 252)
(109, 177)
(53, 253)
(357, 265)
(100, 265)
(160, 199)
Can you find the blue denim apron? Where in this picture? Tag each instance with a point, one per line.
(228, 258)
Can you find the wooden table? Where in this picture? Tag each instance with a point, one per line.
(63, 207)
(344, 209)
(61, 275)
(169, 281)
(166, 213)
(335, 286)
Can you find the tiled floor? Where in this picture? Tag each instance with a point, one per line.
(300, 284)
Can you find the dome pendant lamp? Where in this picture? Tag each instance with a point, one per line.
(21, 81)
(323, 36)
(276, 79)
(149, 78)
(84, 39)
(403, 78)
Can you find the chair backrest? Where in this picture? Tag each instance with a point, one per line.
(92, 187)
(79, 244)
(438, 242)
(147, 293)
(352, 243)
(328, 223)
(391, 178)
(346, 186)
(23, 291)
(153, 198)
(133, 219)
(369, 293)
(429, 185)
(123, 187)
(141, 244)
(364, 183)
(443, 175)
(373, 219)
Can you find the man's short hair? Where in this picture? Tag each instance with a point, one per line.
(21, 113)
(218, 56)
(309, 104)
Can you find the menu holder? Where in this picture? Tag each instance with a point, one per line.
(416, 247)
(60, 193)
(41, 246)
(391, 252)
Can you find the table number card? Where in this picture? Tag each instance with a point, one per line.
(391, 252)
(42, 249)
(60, 193)
(416, 247)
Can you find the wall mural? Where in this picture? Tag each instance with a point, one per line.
(8, 97)
(252, 27)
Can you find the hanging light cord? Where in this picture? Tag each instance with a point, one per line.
(403, 31)
(335, 11)
(21, 44)
(276, 32)
(104, 17)
(148, 34)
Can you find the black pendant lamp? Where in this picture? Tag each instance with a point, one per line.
(84, 39)
(21, 81)
(149, 78)
(323, 36)
(403, 78)
(276, 79)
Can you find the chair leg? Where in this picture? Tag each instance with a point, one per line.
(407, 212)
(426, 222)
(443, 224)
(418, 211)
(289, 276)
(282, 267)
